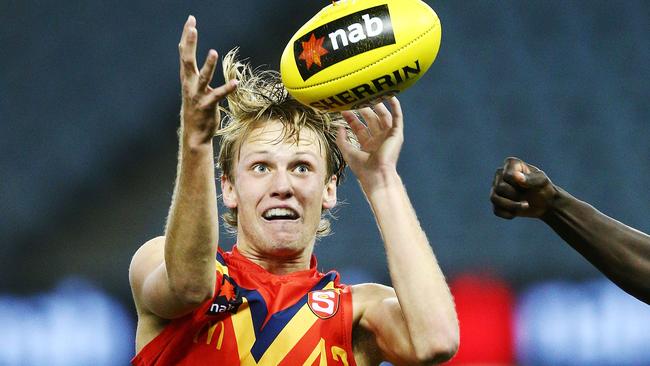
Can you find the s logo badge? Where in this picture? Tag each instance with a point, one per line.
(323, 303)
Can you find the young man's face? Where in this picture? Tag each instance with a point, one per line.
(279, 190)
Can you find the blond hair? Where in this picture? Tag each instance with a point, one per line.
(261, 97)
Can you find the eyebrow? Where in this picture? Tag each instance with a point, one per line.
(266, 152)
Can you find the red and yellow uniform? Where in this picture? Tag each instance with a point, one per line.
(258, 318)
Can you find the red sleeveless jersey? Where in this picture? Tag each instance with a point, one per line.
(257, 318)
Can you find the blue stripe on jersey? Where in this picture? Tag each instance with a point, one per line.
(220, 259)
(258, 308)
(277, 322)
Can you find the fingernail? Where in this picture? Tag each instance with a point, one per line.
(521, 176)
(234, 82)
(524, 204)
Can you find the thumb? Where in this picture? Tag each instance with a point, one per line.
(514, 172)
(535, 179)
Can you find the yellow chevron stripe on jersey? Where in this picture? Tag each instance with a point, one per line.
(291, 334)
(221, 268)
(289, 337)
(242, 322)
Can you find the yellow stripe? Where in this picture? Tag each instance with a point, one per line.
(291, 334)
(242, 323)
(221, 268)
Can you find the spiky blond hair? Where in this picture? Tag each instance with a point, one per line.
(261, 97)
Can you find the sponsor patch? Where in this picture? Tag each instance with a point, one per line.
(342, 39)
(228, 299)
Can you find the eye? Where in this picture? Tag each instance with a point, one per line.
(302, 168)
(260, 168)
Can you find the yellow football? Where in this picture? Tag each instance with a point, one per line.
(355, 53)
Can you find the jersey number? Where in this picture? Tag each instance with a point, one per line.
(320, 353)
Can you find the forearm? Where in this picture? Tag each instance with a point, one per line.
(619, 251)
(192, 226)
(423, 294)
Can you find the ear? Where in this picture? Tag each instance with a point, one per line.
(228, 192)
(329, 193)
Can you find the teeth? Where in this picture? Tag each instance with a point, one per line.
(280, 213)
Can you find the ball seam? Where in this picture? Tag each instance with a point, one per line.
(367, 66)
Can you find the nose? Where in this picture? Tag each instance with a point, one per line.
(281, 187)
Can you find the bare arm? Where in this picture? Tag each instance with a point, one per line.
(619, 251)
(184, 275)
(425, 327)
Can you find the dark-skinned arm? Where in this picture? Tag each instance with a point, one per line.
(621, 252)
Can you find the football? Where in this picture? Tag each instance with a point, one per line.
(355, 53)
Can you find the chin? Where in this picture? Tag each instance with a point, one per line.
(289, 243)
(286, 242)
(281, 240)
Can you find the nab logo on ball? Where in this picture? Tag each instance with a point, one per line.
(342, 39)
(355, 53)
(324, 303)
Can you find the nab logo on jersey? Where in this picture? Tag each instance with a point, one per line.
(323, 303)
(342, 39)
(228, 299)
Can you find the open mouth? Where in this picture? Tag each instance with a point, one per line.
(276, 214)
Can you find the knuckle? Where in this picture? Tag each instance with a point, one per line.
(203, 106)
(203, 79)
(508, 176)
(187, 90)
(187, 63)
(502, 187)
(196, 100)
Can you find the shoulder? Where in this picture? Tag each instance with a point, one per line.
(366, 295)
(150, 247)
(371, 292)
(145, 260)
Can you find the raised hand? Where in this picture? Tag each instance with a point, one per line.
(521, 189)
(200, 114)
(380, 141)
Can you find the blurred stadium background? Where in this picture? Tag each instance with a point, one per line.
(89, 99)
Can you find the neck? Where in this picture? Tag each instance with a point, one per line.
(279, 261)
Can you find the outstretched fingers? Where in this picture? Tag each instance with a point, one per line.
(187, 49)
(217, 94)
(207, 71)
(358, 128)
(384, 116)
(372, 121)
(396, 113)
(349, 151)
